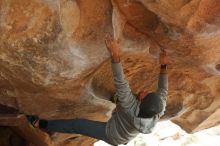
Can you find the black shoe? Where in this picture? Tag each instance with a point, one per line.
(33, 120)
(38, 123)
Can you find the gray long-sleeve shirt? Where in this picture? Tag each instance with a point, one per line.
(125, 124)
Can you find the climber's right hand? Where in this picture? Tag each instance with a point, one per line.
(163, 57)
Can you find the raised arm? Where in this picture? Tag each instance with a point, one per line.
(163, 79)
(123, 91)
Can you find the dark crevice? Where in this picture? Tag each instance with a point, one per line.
(217, 67)
(7, 110)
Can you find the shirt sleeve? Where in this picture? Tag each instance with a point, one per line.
(162, 90)
(123, 92)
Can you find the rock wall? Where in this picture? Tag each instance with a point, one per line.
(53, 61)
(9, 138)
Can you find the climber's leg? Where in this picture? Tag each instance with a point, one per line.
(89, 128)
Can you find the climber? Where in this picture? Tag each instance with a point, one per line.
(131, 117)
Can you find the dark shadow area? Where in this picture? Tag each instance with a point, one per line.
(217, 67)
(9, 138)
(7, 110)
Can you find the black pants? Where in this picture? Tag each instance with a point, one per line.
(94, 129)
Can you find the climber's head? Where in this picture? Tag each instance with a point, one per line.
(150, 105)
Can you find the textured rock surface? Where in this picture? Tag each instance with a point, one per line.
(9, 138)
(53, 61)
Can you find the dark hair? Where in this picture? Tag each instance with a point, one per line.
(150, 106)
